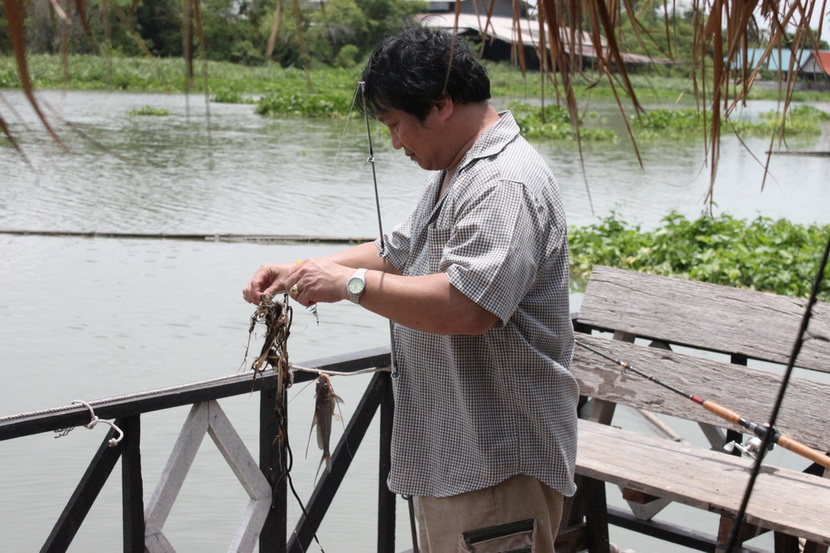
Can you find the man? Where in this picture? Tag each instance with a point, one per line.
(476, 282)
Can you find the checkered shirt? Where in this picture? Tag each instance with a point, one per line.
(472, 411)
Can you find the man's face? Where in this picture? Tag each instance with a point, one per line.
(421, 140)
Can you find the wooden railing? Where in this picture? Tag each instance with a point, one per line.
(142, 526)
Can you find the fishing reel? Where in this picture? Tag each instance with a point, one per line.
(750, 448)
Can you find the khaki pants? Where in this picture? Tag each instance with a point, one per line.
(519, 515)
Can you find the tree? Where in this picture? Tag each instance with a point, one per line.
(159, 23)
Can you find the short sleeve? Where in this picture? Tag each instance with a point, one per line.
(497, 246)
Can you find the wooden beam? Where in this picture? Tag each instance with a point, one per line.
(209, 418)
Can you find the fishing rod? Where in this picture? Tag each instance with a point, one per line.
(761, 431)
(361, 85)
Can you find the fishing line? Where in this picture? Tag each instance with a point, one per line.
(286, 475)
(345, 127)
(761, 431)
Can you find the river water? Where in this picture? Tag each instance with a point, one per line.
(89, 318)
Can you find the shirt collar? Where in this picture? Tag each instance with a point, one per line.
(492, 140)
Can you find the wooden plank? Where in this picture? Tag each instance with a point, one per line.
(747, 391)
(245, 468)
(783, 500)
(235, 453)
(720, 318)
(172, 478)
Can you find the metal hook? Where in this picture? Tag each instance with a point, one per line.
(95, 420)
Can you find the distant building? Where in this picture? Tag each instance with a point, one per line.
(505, 38)
(816, 67)
(780, 60)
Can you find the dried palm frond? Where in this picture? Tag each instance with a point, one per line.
(721, 73)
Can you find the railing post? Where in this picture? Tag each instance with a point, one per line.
(272, 458)
(386, 499)
(132, 485)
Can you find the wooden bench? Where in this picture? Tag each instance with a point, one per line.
(722, 344)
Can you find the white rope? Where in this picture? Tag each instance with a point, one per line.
(94, 420)
(370, 370)
(135, 395)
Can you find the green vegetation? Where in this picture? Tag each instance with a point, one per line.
(84, 72)
(232, 97)
(146, 74)
(554, 123)
(250, 32)
(676, 123)
(766, 255)
(306, 105)
(329, 92)
(149, 110)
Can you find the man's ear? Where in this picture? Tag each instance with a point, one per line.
(444, 108)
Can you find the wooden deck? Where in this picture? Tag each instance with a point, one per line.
(698, 338)
(783, 500)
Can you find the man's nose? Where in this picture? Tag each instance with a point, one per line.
(396, 142)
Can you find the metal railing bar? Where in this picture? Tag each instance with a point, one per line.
(87, 490)
(27, 424)
(342, 457)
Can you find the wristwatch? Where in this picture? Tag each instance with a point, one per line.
(356, 285)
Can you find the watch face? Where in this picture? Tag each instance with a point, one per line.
(355, 285)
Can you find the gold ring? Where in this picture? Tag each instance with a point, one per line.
(295, 291)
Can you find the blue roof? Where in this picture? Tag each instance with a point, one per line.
(779, 59)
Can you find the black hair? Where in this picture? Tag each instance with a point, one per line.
(409, 72)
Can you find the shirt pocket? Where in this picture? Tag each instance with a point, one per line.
(513, 537)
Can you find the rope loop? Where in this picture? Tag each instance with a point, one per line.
(93, 421)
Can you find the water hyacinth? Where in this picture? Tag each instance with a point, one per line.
(677, 123)
(762, 254)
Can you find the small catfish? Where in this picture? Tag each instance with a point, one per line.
(324, 405)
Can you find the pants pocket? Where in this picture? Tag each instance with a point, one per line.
(513, 537)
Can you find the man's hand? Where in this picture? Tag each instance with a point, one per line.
(269, 279)
(318, 280)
